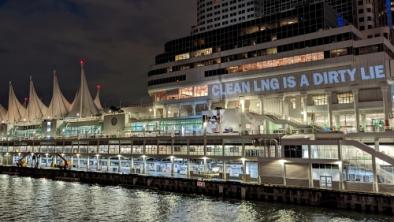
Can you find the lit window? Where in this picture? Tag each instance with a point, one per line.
(186, 92)
(202, 52)
(272, 51)
(293, 103)
(345, 98)
(277, 62)
(201, 91)
(288, 21)
(182, 56)
(319, 100)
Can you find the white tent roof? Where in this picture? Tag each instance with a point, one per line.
(97, 100)
(16, 111)
(59, 106)
(83, 104)
(3, 114)
(36, 108)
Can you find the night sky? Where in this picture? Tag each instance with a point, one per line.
(118, 38)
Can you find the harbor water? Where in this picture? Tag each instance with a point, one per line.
(28, 199)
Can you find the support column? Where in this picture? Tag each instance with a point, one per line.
(87, 164)
(165, 110)
(242, 111)
(179, 110)
(310, 178)
(78, 161)
(224, 170)
(194, 109)
(172, 166)
(71, 162)
(304, 101)
(329, 107)
(154, 112)
(376, 145)
(340, 167)
(356, 109)
(261, 105)
(209, 105)
(387, 106)
(188, 168)
(226, 103)
(205, 165)
(144, 165)
(284, 173)
(132, 165)
(119, 163)
(243, 170)
(98, 163)
(108, 163)
(375, 175)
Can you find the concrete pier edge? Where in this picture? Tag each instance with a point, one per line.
(378, 203)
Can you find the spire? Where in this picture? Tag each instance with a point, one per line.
(83, 104)
(16, 111)
(97, 100)
(3, 114)
(35, 108)
(59, 106)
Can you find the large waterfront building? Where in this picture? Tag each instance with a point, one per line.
(299, 97)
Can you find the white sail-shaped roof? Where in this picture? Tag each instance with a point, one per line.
(83, 104)
(59, 106)
(16, 111)
(97, 100)
(3, 114)
(36, 108)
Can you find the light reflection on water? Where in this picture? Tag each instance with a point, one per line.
(26, 199)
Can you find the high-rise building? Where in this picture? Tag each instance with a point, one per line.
(288, 63)
(213, 14)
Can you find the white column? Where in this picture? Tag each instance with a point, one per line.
(304, 101)
(261, 105)
(78, 163)
(356, 109)
(209, 104)
(329, 106)
(172, 166)
(194, 109)
(98, 162)
(154, 112)
(224, 170)
(108, 164)
(244, 170)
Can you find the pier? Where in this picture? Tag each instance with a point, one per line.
(357, 201)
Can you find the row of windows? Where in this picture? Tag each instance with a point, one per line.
(261, 52)
(167, 80)
(296, 59)
(311, 19)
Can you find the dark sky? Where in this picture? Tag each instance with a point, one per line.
(118, 38)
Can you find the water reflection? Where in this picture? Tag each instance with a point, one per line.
(26, 199)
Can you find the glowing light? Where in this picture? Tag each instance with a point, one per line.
(98, 86)
(82, 62)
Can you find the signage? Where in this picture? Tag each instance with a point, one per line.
(294, 82)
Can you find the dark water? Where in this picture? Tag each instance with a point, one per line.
(26, 199)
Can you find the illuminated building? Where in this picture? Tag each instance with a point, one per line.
(296, 98)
